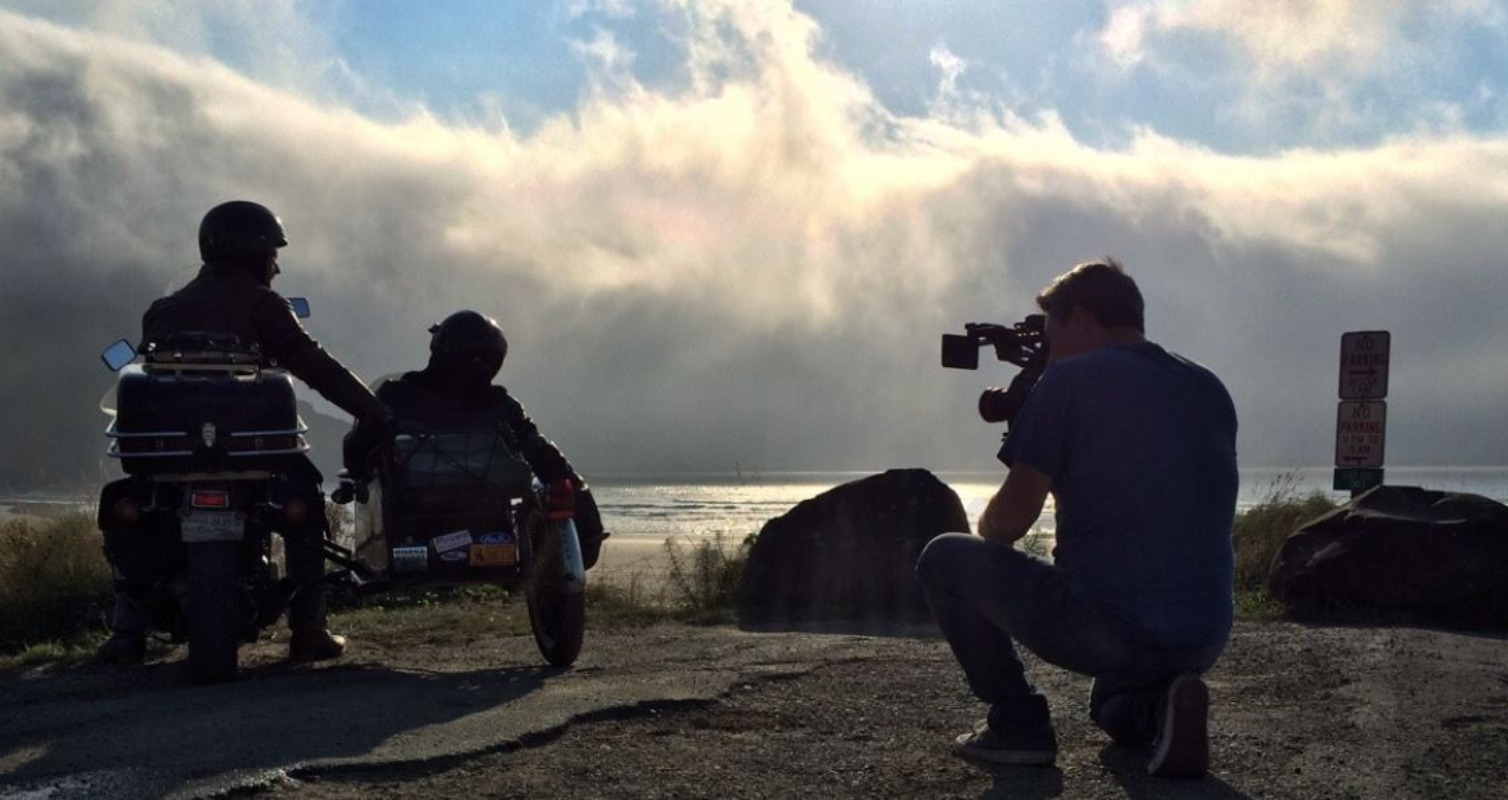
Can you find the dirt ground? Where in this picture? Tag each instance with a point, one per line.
(1298, 712)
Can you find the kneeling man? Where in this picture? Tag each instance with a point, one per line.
(1137, 447)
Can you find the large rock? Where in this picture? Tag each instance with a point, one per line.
(850, 552)
(1404, 553)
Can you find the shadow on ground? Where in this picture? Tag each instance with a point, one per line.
(150, 725)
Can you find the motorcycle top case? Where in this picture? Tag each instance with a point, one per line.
(178, 422)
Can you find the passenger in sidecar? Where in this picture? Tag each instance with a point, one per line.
(470, 490)
(454, 394)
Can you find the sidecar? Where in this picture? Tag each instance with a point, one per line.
(447, 508)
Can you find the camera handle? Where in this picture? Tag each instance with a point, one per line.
(1008, 402)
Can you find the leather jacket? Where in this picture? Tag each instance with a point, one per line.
(228, 299)
(423, 398)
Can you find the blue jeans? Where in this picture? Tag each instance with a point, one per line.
(985, 594)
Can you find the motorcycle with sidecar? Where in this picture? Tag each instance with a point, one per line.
(205, 429)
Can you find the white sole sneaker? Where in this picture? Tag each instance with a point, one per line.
(987, 747)
(1183, 745)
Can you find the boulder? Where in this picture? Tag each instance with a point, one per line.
(849, 554)
(1403, 554)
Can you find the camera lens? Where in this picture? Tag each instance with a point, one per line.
(995, 405)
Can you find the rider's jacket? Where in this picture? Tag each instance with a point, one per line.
(425, 399)
(227, 299)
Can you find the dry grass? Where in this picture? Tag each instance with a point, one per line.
(55, 586)
(704, 576)
(1261, 530)
(1259, 534)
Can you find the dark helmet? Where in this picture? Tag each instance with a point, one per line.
(238, 230)
(467, 347)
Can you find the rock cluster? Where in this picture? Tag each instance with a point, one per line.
(1404, 553)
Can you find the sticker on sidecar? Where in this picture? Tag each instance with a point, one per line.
(496, 537)
(410, 559)
(493, 555)
(453, 555)
(450, 541)
(213, 526)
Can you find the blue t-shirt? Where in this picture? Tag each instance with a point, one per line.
(1140, 445)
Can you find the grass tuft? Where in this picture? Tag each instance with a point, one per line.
(704, 576)
(1258, 535)
(55, 585)
(1260, 531)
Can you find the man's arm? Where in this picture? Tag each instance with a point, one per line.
(1015, 508)
(543, 456)
(284, 339)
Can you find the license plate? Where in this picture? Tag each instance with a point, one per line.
(213, 526)
(494, 555)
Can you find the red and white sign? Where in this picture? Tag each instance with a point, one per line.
(1364, 365)
(1360, 432)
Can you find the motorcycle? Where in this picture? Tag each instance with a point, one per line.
(207, 433)
(452, 507)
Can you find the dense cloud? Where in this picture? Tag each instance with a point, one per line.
(753, 268)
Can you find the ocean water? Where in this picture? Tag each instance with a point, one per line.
(691, 507)
(652, 508)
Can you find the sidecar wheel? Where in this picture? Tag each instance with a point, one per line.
(557, 616)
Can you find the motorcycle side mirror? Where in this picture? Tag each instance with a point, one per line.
(300, 306)
(118, 355)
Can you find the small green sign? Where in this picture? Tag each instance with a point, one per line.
(1357, 479)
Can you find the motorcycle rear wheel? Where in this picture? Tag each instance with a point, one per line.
(557, 616)
(214, 630)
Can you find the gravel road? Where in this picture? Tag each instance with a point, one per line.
(677, 711)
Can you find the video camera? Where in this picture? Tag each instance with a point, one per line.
(1022, 344)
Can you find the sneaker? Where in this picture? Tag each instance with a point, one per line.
(123, 647)
(1183, 745)
(1034, 745)
(321, 645)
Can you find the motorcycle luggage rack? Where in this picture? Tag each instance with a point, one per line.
(216, 477)
(192, 351)
(115, 451)
(432, 470)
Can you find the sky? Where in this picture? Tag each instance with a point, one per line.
(730, 232)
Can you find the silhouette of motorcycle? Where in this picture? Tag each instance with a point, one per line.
(207, 431)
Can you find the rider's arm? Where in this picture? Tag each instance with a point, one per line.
(543, 456)
(1015, 508)
(284, 339)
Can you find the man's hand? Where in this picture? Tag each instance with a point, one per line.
(1015, 508)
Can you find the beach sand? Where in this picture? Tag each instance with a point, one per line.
(629, 559)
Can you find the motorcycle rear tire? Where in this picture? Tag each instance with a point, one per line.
(214, 632)
(558, 617)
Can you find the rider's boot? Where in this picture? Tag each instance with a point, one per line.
(304, 551)
(128, 634)
(311, 641)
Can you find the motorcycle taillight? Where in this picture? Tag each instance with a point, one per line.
(210, 498)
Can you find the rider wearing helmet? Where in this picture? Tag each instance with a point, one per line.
(455, 390)
(232, 294)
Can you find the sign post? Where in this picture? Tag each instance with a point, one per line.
(1361, 416)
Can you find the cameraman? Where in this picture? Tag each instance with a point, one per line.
(1137, 447)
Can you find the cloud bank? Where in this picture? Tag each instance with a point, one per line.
(751, 267)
